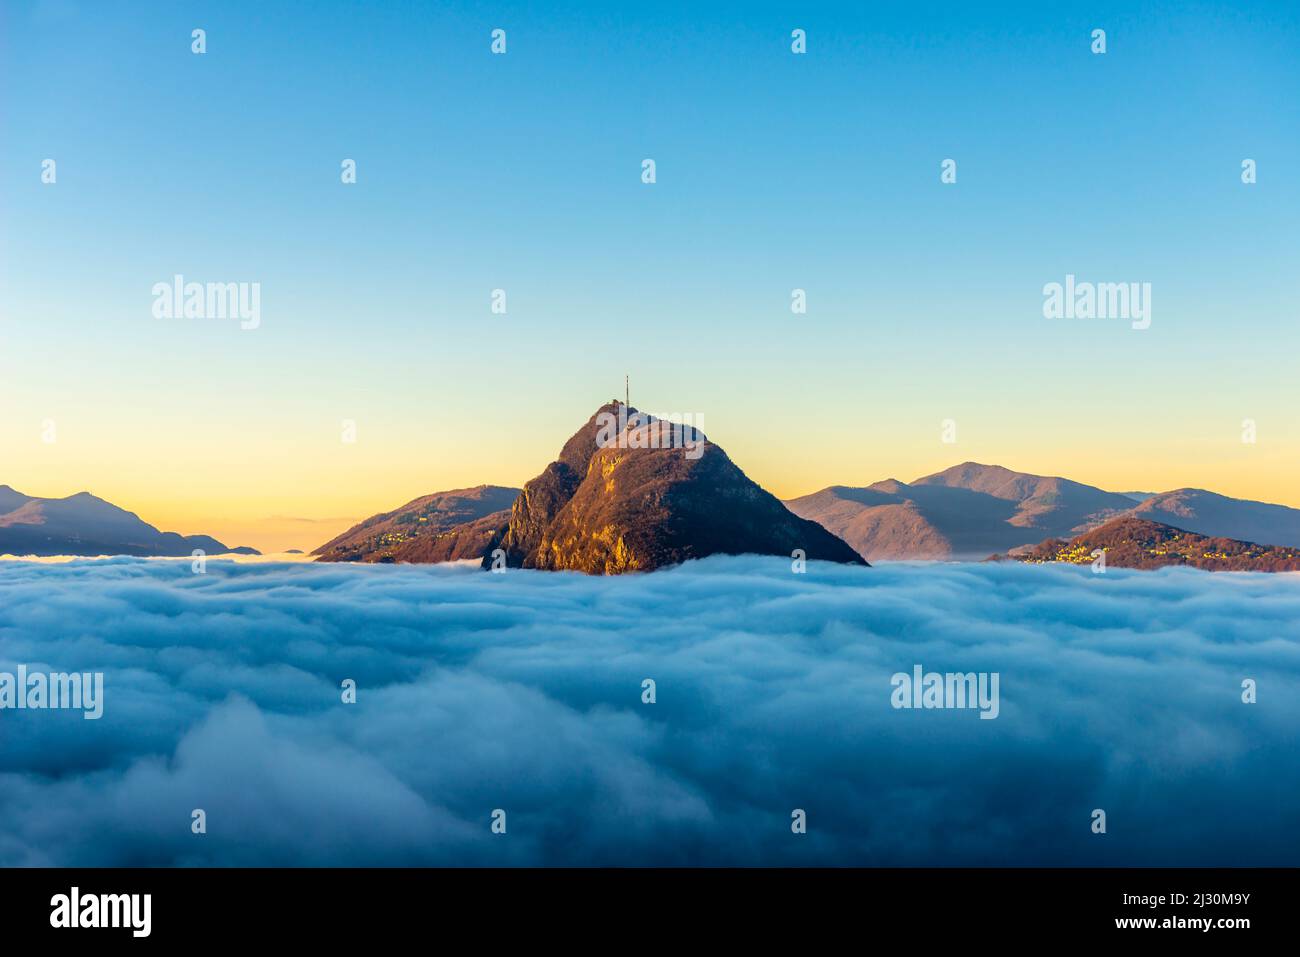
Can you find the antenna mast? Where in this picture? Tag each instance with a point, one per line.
(627, 393)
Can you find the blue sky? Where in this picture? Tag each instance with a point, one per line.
(522, 172)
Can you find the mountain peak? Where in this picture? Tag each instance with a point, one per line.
(1209, 513)
(891, 485)
(968, 474)
(628, 492)
(611, 507)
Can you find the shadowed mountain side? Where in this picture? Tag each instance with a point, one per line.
(420, 527)
(1208, 513)
(891, 520)
(1130, 542)
(11, 499)
(937, 518)
(892, 532)
(83, 524)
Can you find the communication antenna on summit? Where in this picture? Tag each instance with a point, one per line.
(627, 393)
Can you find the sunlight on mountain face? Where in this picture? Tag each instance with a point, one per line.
(774, 691)
(276, 558)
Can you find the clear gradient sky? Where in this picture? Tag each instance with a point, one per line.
(522, 172)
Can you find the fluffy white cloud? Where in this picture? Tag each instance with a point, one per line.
(523, 691)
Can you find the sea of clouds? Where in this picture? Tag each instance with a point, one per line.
(522, 691)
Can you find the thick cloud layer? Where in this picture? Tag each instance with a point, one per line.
(523, 691)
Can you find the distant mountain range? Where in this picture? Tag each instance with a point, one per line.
(635, 500)
(1132, 542)
(636, 503)
(82, 524)
(971, 510)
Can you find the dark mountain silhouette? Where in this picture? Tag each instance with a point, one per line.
(1132, 542)
(970, 510)
(82, 524)
(628, 497)
(428, 529)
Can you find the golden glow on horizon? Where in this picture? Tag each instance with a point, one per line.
(300, 496)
